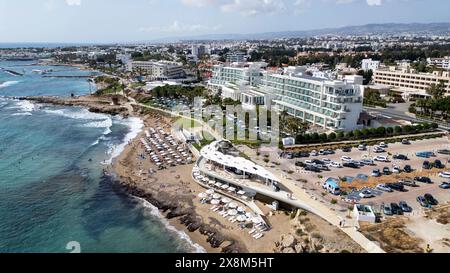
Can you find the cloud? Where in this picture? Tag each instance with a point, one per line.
(244, 7)
(374, 2)
(73, 2)
(179, 27)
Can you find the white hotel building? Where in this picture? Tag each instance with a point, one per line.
(161, 70)
(331, 105)
(327, 104)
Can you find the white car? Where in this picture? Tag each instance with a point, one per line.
(346, 159)
(335, 165)
(314, 153)
(366, 194)
(326, 160)
(377, 149)
(396, 170)
(381, 158)
(445, 174)
(383, 187)
(383, 145)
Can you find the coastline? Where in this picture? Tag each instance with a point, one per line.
(173, 192)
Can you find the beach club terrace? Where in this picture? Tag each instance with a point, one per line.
(221, 163)
(222, 157)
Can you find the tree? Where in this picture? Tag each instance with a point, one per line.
(398, 130)
(332, 136)
(437, 91)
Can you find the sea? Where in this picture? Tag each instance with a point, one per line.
(54, 197)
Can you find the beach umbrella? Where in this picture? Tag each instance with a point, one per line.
(232, 205)
(218, 184)
(215, 202)
(224, 187)
(216, 196)
(249, 215)
(241, 210)
(210, 192)
(226, 200)
(241, 218)
(241, 192)
(211, 182)
(256, 220)
(231, 189)
(202, 195)
(232, 212)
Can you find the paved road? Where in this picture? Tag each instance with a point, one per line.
(399, 111)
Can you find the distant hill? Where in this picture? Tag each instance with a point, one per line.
(374, 29)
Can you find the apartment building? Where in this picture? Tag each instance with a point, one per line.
(410, 83)
(235, 57)
(369, 64)
(443, 63)
(160, 70)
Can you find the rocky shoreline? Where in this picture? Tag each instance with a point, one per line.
(172, 210)
(93, 104)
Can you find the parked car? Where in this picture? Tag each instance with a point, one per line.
(427, 165)
(396, 209)
(408, 182)
(405, 207)
(396, 186)
(376, 173)
(350, 165)
(347, 149)
(445, 185)
(386, 171)
(362, 147)
(444, 174)
(322, 152)
(423, 179)
(423, 202)
(326, 160)
(329, 152)
(425, 154)
(381, 158)
(396, 170)
(444, 152)
(377, 149)
(335, 165)
(346, 159)
(400, 157)
(438, 164)
(387, 210)
(408, 169)
(406, 142)
(314, 153)
(368, 162)
(382, 145)
(366, 194)
(430, 199)
(383, 187)
(312, 168)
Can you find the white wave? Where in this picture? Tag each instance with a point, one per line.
(23, 106)
(181, 234)
(82, 114)
(135, 125)
(8, 83)
(22, 114)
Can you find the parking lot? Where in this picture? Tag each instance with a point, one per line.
(409, 195)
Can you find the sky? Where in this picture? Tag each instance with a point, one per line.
(93, 21)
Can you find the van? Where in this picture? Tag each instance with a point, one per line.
(331, 185)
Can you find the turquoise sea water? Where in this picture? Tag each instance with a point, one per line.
(52, 188)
